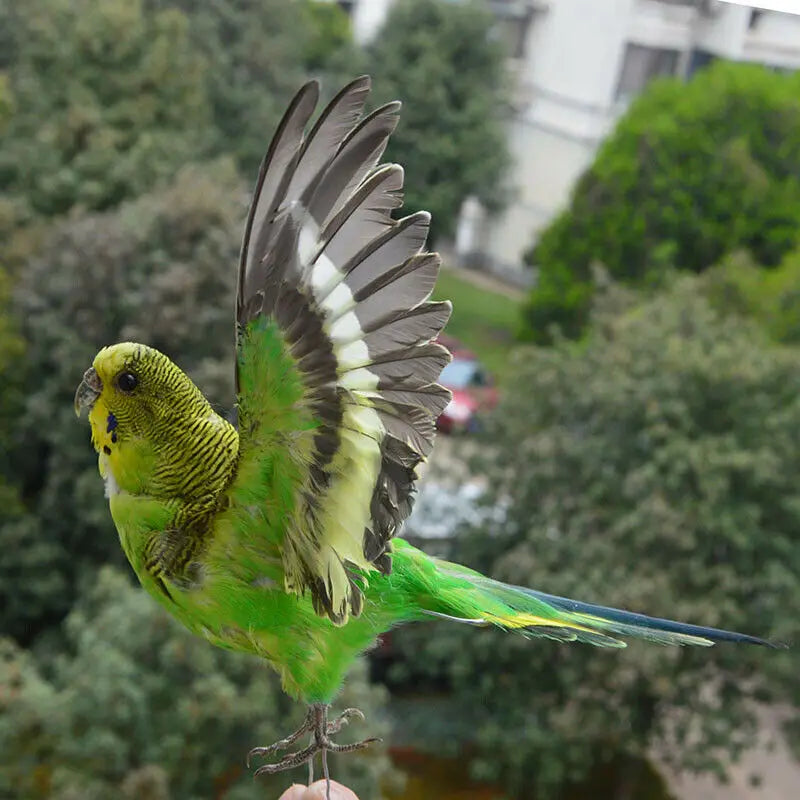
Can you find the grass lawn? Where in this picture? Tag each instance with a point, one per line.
(484, 321)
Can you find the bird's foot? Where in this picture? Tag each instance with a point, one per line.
(321, 729)
(334, 726)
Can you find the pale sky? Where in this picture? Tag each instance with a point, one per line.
(789, 6)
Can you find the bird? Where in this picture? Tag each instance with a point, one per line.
(277, 534)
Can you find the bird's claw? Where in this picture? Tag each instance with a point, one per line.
(260, 752)
(343, 719)
(289, 761)
(321, 729)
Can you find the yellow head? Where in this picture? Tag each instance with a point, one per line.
(149, 421)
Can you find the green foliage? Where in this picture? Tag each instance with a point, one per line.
(772, 296)
(440, 58)
(11, 349)
(254, 52)
(139, 708)
(23, 549)
(654, 467)
(8, 34)
(33, 568)
(156, 270)
(693, 171)
(109, 100)
(106, 100)
(328, 30)
(6, 101)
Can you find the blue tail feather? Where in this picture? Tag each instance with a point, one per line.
(630, 618)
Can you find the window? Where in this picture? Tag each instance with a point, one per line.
(698, 60)
(640, 65)
(518, 34)
(514, 20)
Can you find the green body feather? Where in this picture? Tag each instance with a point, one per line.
(230, 587)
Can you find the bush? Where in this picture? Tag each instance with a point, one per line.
(772, 297)
(693, 171)
(653, 467)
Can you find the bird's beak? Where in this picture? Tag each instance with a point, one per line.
(88, 391)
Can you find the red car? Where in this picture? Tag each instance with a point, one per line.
(474, 392)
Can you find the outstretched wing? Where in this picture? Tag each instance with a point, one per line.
(336, 367)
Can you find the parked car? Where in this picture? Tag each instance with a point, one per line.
(474, 392)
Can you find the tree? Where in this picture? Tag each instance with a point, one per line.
(771, 297)
(693, 171)
(329, 34)
(442, 61)
(12, 351)
(258, 53)
(654, 468)
(109, 100)
(139, 708)
(23, 549)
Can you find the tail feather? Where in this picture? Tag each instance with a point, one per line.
(629, 623)
(539, 614)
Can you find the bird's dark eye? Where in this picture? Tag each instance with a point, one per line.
(127, 381)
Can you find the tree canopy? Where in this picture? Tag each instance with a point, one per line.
(257, 53)
(109, 98)
(442, 60)
(653, 468)
(771, 297)
(692, 171)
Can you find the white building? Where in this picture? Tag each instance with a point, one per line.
(367, 16)
(575, 65)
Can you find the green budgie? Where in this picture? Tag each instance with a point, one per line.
(278, 537)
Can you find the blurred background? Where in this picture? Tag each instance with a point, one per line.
(615, 187)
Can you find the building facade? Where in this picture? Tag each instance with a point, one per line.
(575, 65)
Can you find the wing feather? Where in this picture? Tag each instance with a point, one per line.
(332, 126)
(273, 179)
(336, 293)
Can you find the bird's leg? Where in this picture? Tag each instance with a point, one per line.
(321, 730)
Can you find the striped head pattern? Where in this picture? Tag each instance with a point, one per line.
(150, 423)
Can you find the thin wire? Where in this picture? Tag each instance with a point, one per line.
(326, 773)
